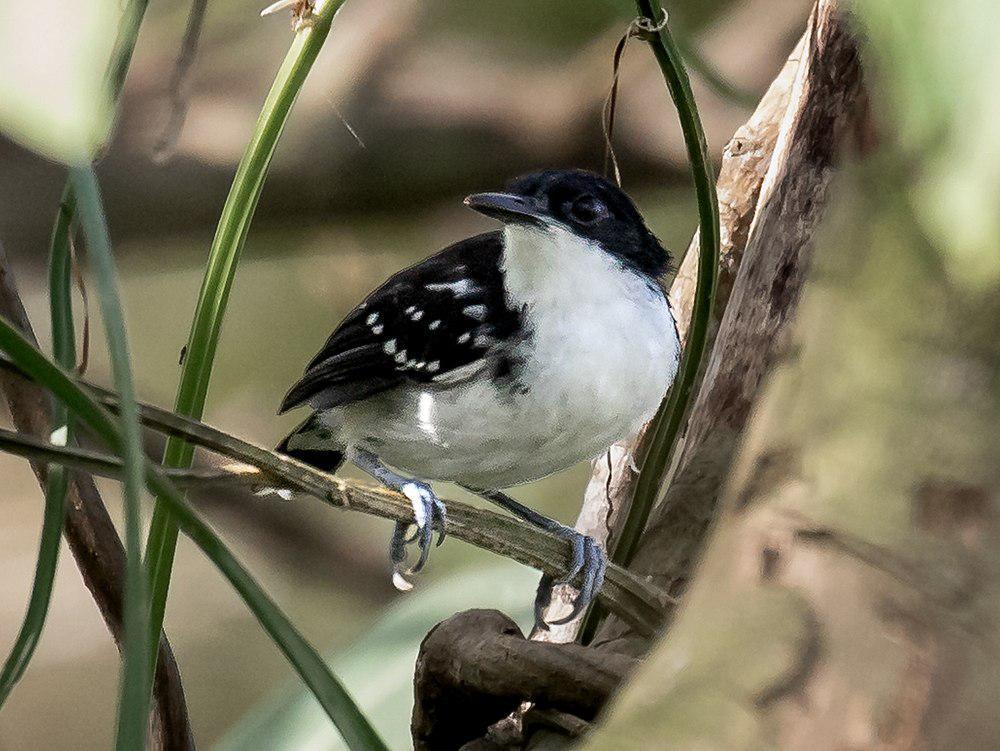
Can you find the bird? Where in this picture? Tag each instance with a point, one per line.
(503, 358)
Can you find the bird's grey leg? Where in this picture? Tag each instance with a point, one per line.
(428, 511)
(586, 558)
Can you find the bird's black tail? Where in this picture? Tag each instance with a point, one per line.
(313, 443)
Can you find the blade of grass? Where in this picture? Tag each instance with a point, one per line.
(332, 696)
(133, 714)
(64, 350)
(666, 425)
(214, 295)
(57, 481)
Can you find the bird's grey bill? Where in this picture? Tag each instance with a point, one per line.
(508, 208)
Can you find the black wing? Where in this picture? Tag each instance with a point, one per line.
(425, 323)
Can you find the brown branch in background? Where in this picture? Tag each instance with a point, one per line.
(167, 142)
(90, 533)
(476, 668)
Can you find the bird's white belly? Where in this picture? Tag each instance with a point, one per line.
(587, 390)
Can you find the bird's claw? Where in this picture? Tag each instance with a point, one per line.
(428, 514)
(587, 563)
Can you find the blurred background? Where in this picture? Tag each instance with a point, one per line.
(410, 106)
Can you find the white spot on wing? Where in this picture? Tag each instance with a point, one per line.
(434, 366)
(482, 340)
(371, 318)
(475, 311)
(434, 324)
(410, 309)
(417, 315)
(463, 338)
(389, 347)
(378, 329)
(425, 414)
(400, 356)
(460, 288)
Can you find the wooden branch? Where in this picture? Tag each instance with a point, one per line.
(636, 602)
(90, 533)
(476, 668)
(745, 163)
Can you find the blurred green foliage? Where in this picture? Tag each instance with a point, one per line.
(936, 71)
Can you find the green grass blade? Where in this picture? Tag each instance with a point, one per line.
(667, 423)
(332, 696)
(133, 715)
(223, 258)
(64, 350)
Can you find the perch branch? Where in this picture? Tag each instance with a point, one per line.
(634, 601)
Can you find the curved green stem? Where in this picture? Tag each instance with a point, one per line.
(133, 711)
(332, 696)
(56, 483)
(223, 258)
(667, 423)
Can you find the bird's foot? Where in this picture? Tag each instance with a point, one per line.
(429, 515)
(588, 563)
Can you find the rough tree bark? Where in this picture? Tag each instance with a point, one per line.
(91, 534)
(850, 596)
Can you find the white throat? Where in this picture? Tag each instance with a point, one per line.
(553, 268)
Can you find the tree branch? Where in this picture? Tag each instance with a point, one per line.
(629, 597)
(476, 668)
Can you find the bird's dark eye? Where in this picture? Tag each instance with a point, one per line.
(588, 209)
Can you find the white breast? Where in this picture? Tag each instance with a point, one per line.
(602, 352)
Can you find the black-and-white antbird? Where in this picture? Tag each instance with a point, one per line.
(500, 360)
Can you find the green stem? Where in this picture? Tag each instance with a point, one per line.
(56, 483)
(667, 423)
(332, 696)
(223, 258)
(665, 427)
(134, 704)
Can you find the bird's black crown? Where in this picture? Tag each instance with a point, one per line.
(597, 209)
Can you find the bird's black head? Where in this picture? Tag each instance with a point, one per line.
(583, 203)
